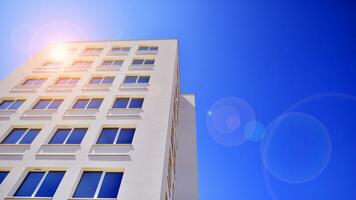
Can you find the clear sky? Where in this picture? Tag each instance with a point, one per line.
(275, 83)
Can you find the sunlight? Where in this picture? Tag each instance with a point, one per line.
(58, 53)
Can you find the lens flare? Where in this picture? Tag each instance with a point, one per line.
(58, 53)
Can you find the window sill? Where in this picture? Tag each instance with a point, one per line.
(60, 88)
(5, 114)
(58, 149)
(135, 86)
(149, 52)
(25, 88)
(46, 69)
(141, 67)
(124, 113)
(38, 114)
(81, 114)
(76, 69)
(108, 68)
(92, 199)
(96, 87)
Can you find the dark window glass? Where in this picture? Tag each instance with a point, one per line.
(62, 81)
(107, 62)
(50, 184)
(29, 185)
(137, 61)
(5, 104)
(14, 136)
(42, 104)
(87, 184)
(116, 49)
(3, 175)
(108, 80)
(76, 136)
(111, 184)
(30, 136)
(118, 62)
(73, 81)
(149, 62)
(40, 81)
(143, 48)
(81, 103)
(107, 136)
(136, 103)
(55, 104)
(95, 103)
(60, 136)
(29, 82)
(16, 104)
(121, 103)
(153, 48)
(130, 79)
(96, 80)
(126, 136)
(143, 79)
(126, 48)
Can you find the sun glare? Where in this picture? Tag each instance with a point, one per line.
(58, 53)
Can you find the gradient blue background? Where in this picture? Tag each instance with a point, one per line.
(270, 53)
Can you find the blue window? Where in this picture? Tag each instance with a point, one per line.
(137, 79)
(136, 103)
(46, 182)
(34, 81)
(116, 136)
(143, 79)
(121, 103)
(153, 48)
(98, 184)
(47, 104)
(149, 62)
(11, 104)
(93, 103)
(137, 62)
(118, 62)
(102, 80)
(3, 175)
(21, 136)
(112, 62)
(68, 136)
(143, 48)
(126, 49)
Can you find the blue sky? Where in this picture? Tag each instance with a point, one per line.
(287, 66)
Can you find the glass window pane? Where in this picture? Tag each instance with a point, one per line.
(107, 62)
(136, 103)
(143, 48)
(76, 136)
(126, 49)
(116, 49)
(153, 48)
(137, 62)
(87, 184)
(95, 103)
(121, 103)
(130, 79)
(149, 62)
(107, 136)
(29, 185)
(62, 80)
(126, 135)
(143, 79)
(95, 80)
(16, 104)
(60, 136)
(111, 184)
(3, 175)
(50, 184)
(14, 136)
(73, 81)
(30, 136)
(29, 82)
(55, 104)
(81, 103)
(118, 62)
(108, 80)
(40, 81)
(5, 104)
(42, 104)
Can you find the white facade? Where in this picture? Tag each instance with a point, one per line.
(160, 162)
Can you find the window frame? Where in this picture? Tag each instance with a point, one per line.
(14, 100)
(70, 78)
(52, 99)
(54, 132)
(87, 104)
(11, 129)
(129, 102)
(35, 83)
(137, 79)
(117, 135)
(102, 78)
(121, 51)
(144, 60)
(82, 65)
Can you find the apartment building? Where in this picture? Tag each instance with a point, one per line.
(98, 120)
